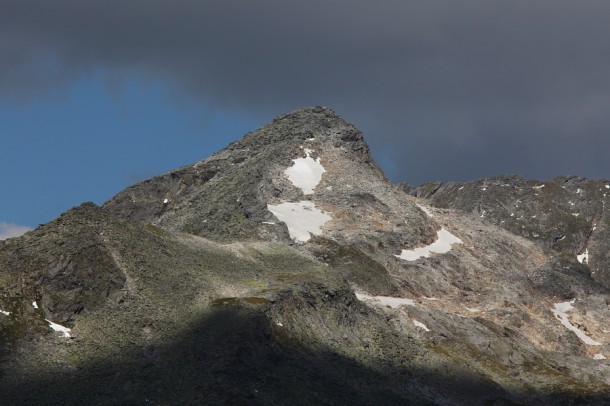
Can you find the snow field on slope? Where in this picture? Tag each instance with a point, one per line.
(393, 302)
(306, 173)
(59, 328)
(301, 218)
(442, 245)
(561, 312)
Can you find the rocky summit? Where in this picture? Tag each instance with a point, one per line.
(287, 270)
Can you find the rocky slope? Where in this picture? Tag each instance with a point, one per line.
(567, 214)
(286, 269)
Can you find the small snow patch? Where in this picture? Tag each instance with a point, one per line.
(441, 246)
(538, 187)
(607, 186)
(420, 325)
(472, 309)
(35, 305)
(279, 323)
(561, 312)
(584, 257)
(599, 356)
(393, 302)
(165, 201)
(425, 210)
(301, 218)
(59, 328)
(269, 222)
(461, 188)
(5, 312)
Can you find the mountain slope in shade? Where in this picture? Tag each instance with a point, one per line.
(286, 269)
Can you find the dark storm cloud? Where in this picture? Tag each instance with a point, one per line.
(442, 89)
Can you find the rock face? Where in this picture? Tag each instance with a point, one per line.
(286, 269)
(567, 214)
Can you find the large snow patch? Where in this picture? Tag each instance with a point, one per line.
(306, 173)
(301, 218)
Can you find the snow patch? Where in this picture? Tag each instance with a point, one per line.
(301, 218)
(165, 201)
(268, 222)
(538, 187)
(279, 323)
(5, 312)
(560, 311)
(607, 186)
(393, 302)
(599, 356)
(425, 210)
(35, 305)
(59, 328)
(441, 246)
(420, 325)
(584, 257)
(306, 173)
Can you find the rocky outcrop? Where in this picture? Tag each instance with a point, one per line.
(64, 267)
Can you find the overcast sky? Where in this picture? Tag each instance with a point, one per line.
(97, 95)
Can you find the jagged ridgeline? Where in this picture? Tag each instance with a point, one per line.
(567, 214)
(286, 269)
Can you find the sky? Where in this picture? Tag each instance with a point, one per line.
(95, 96)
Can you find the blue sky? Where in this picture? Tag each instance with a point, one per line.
(95, 96)
(87, 141)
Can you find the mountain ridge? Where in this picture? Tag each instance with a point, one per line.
(287, 269)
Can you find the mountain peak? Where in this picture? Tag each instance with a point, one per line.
(311, 256)
(306, 124)
(308, 161)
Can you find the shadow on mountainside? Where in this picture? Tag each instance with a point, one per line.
(235, 355)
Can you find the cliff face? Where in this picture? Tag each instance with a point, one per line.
(286, 269)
